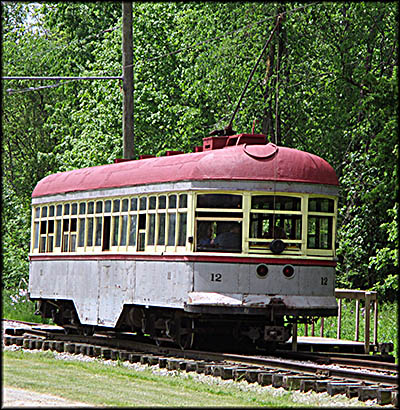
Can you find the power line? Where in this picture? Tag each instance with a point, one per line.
(144, 60)
(24, 90)
(64, 78)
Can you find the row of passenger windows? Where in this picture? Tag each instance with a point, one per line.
(161, 220)
(115, 205)
(112, 224)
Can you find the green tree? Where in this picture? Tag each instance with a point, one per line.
(326, 85)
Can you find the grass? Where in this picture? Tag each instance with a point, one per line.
(17, 306)
(97, 384)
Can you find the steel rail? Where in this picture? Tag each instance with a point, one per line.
(129, 344)
(126, 341)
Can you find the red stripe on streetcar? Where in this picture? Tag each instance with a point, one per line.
(191, 258)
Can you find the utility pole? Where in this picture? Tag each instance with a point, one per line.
(127, 81)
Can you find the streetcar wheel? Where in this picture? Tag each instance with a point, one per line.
(186, 341)
(88, 330)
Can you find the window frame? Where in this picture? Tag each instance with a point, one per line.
(228, 218)
(267, 251)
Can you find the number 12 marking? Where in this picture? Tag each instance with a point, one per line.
(216, 277)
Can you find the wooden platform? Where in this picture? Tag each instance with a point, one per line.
(326, 344)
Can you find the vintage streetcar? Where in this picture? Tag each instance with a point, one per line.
(234, 242)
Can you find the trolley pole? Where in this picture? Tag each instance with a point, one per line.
(127, 81)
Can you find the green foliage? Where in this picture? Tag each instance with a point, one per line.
(17, 306)
(337, 97)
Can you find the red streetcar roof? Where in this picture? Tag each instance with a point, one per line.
(240, 162)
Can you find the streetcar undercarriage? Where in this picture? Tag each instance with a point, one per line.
(184, 329)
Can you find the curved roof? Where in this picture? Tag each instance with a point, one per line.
(241, 162)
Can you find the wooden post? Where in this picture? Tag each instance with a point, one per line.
(367, 320)
(357, 320)
(322, 327)
(127, 81)
(375, 321)
(313, 327)
(339, 323)
(294, 338)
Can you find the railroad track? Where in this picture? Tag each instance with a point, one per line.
(355, 377)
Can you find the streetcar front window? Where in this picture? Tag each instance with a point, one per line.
(275, 217)
(320, 232)
(219, 220)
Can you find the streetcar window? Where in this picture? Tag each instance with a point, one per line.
(42, 247)
(37, 212)
(82, 208)
(106, 231)
(59, 210)
(171, 229)
(43, 227)
(152, 227)
(44, 211)
(132, 231)
(152, 202)
(65, 242)
(172, 201)
(50, 244)
(219, 223)
(133, 204)
(124, 227)
(275, 202)
(73, 243)
(99, 226)
(66, 209)
(205, 235)
(73, 224)
(107, 206)
(183, 201)
(162, 201)
(221, 236)
(319, 234)
(74, 209)
(143, 203)
(320, 205)
(219, 201)
(161, 229)
(116, 231)
(81, 240)
(182, 229)
(275, 226)
(36, 242)
(58, 234)
(320, 227)
(124, 205)
(99, 207)
(90, 231)
(116, 204)
(142, 221)
(51, 210)
(50, 231)
(90, 207)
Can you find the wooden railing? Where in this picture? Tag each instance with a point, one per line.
(357, 295)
